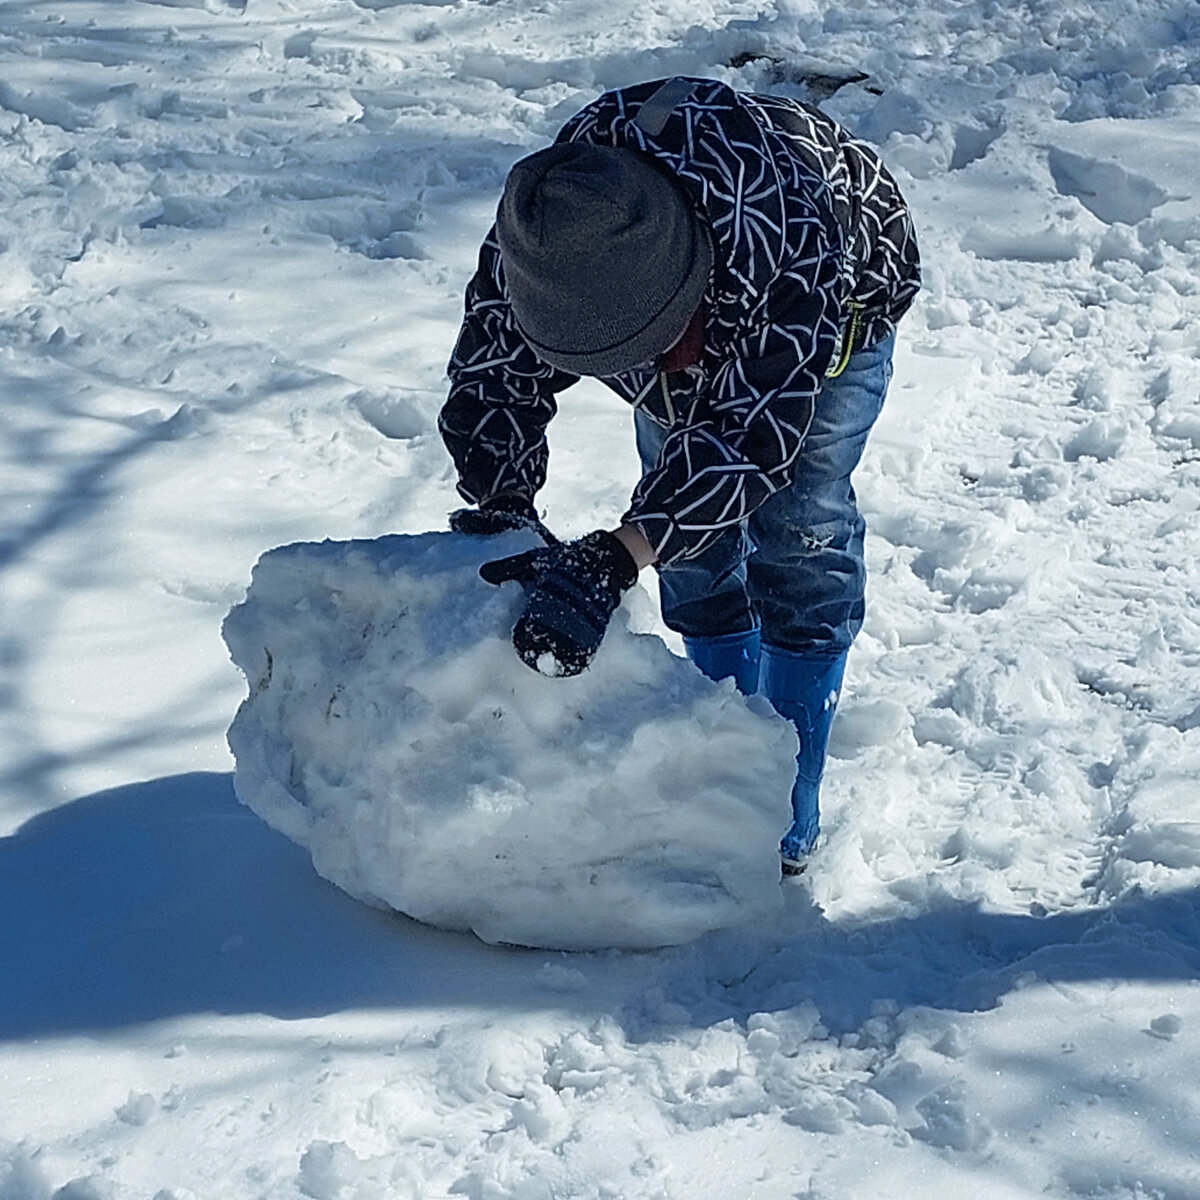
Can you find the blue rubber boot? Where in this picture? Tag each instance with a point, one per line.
(803, 688)
(735, 655)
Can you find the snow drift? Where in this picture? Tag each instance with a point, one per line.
(391, 730)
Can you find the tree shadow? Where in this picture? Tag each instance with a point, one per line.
(168, 898)
(82, 490)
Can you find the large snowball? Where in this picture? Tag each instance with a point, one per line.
(391, 730)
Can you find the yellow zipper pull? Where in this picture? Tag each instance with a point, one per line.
(666, 395)
(849, 336)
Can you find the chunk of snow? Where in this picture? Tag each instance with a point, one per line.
(392, 731)
(325, 1169)
(138, 1109)
(1167, 1026)
(949, 1121)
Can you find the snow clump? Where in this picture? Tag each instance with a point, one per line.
(392, 731)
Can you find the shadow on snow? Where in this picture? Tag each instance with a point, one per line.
(168, 898)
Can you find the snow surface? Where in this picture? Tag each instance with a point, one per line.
(234, 240)
(391, 730)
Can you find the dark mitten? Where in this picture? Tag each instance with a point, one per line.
(572, 589)
(500, 514)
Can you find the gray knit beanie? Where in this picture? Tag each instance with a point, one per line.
(605, 258)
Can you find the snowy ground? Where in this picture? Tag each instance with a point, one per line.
(234, 240)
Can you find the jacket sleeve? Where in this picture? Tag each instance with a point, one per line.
(501, 394)
(740, 443)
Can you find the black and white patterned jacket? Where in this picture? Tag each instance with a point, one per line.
(808, 226)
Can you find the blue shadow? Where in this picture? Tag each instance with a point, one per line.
(170, 897)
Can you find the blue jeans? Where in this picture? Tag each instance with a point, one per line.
(795, 569)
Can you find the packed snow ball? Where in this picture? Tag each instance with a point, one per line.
(392, 731)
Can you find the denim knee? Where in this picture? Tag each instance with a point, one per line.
(796, 569)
